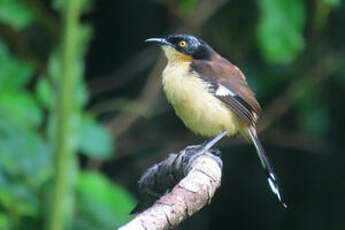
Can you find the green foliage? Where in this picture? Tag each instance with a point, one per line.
(66, 72)
(95, 140)
(280, 30)
(188, 6)
(26, 152)
(17, 198)
(21, 107)
(101, 204)
(15, 14)
(332, 3)
(3, 222)
(44, 93)
(14, 73)
(25, 157)
(15, 102)
(85, 4)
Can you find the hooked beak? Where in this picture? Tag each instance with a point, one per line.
(160, 41)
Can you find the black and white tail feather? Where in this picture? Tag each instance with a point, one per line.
(271, 178)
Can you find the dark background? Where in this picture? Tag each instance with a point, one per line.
(293, 55)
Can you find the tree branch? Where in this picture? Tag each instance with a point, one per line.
(187, 181)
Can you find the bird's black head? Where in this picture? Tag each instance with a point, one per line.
(186, 44)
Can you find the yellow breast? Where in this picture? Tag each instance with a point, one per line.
(199, 110)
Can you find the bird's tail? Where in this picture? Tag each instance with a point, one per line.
(271, 178)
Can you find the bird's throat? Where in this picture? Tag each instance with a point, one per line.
(174, 57)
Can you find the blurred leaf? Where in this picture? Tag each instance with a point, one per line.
(3, 222)
(280, 30)
(95, 140)
(86, 5)
(13, 72)
(188, 6)
(81, 94)
(84, 223)
(24, 154)
(84, 36)
(20, 107)
(103, 204)
(322, 11)
(55, 67)
(17, 198)
(332, 3)
(16, 14)
(304, 94)
(44, 92)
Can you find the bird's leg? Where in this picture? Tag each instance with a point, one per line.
(203, 148)
(208, 145)
(195, 151)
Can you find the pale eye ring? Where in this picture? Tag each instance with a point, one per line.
(182, 43)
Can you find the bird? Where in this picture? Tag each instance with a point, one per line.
(211, 95)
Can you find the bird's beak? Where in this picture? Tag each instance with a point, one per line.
(160, 41)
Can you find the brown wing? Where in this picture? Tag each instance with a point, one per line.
(229, 85)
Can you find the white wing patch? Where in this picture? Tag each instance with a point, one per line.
(224, 91)
(273, 187)
(272, 175)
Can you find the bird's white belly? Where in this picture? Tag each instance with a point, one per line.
(199, 110)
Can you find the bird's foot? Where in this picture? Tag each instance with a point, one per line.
(195, 151)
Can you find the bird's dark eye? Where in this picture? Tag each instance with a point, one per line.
(182, 44)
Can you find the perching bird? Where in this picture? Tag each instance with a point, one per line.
(211, 95)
